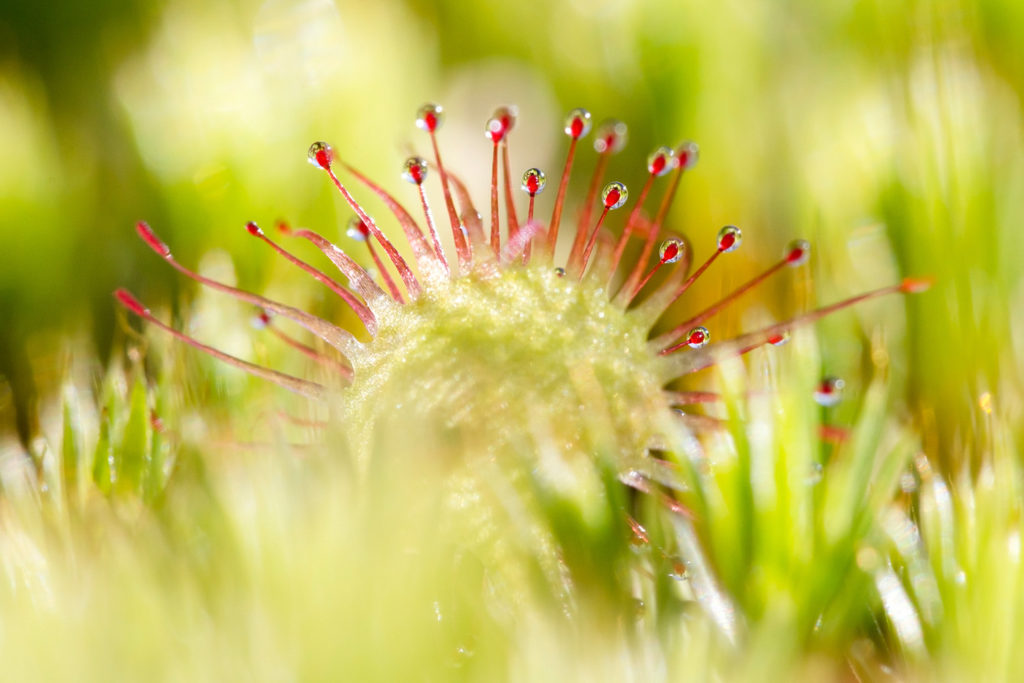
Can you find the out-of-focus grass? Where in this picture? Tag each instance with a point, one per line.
(870, 128)
(889, 134)
(137, 549)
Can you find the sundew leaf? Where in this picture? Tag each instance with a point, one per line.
(134, 444)
(155, 477)
(106, 458)
(742, 489)
(102, 472)
(71, 446)
(850, 480)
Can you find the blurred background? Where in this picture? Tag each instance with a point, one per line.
(888, 134)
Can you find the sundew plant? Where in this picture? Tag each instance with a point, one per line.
(518, 410)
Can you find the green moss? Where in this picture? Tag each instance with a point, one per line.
(490, 363)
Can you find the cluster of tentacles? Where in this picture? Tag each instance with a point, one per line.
(595, 256)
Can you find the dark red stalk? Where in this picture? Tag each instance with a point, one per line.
(495, 229)
(510, 206)
(434, 235)
(556, 216)
(627, 231)
(630, 287)
(588, 207)
(462, 247)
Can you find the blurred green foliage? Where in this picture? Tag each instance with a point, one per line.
(888, 133)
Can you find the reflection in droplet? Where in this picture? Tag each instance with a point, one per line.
(577, 123)
(614, 195)
(430, 117)
(534, 181)
(671, 250)
(829, 392)
(729, 239)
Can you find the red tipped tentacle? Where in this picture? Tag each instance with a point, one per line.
(311, 353)
(321, 155)
(659, 162)
(720, 304)
(587, 211)
(655, 305)
(609, 138)
(360, 280)
(600, 260)
(426, 259)
(415, 172)
(412, 286)
(332, 334)
(672, 251)
(728, 240)
(686, 158)
(534, 182)
(685, 363)
(701, 423)
(474, 227)
(495, 231)
(295, 384)
(613, 196)
(434, 236)
(797, 253)
(510, 205)
(429, 118)
(365, 314)
(556, 216)
(627, 231)
(579, 267)
(389, 282)
(639, 482)
(497, 130)
(577, 125)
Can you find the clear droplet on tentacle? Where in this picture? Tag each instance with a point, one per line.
(829, 392)
(430, 117)
(688, 154)
(661, 161)
(357, 230)
(534, 181)
(577, 123)
(671, 250)
(779, 339)
(610, 136)
(501, 122)
(260, 320)
(320, 154)
(729, 238)
(614, 195)
(698, 337)
(415, 170)
(798, 252)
